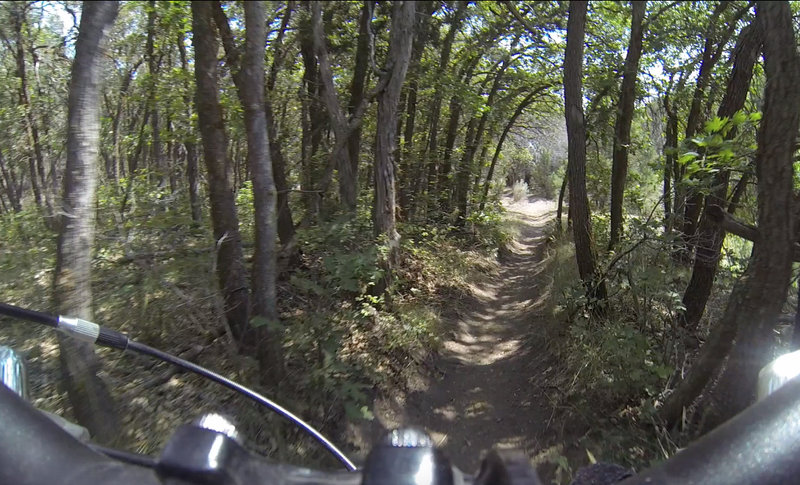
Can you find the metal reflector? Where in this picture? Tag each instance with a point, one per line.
(778, 372)
(12, 371)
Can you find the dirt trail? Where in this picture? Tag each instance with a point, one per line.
(487, 392)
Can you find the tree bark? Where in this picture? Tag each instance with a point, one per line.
(36, 160)
(386, 137)
(559, 211)
(410, 178)
(188, 144)
(357, 94)
(443, 175)
(622, 127)
(670, 159)
(285, 219)
(264, 274)
(431, 154)
(156, 156)
(10, 186)
(769, 279)
(230, 262)
(758, 296)
(313, 120)
(576, 167)
(343, 126)
(91, 401)
(709, 235)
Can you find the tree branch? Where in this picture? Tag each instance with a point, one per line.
(277, 59)
(747, 231)
(513, 9)
(652, 18)
(232, 53)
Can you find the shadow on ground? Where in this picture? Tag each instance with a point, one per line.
(486, 389)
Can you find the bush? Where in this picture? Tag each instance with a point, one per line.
(616, 368)
(519, 191)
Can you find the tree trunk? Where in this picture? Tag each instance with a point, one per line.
(10, 186)
(670, 159)
(758, 296)
(36, 160)
(189, 145)
(622, 127)
(264, 275)
(559, 211)
(409, 178)
(91, 401)
(461, 195)
(312, 121)
(230, 262)
(385, 145)
(576, 141)
(285, 220)
(343, 126)
(431, 155)
(156, 156)
(710, 235)
(442, 184)
(463, 170)
(769, 279)
(357, 88)
(443, 176)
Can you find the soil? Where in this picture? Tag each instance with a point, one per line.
(487, 387)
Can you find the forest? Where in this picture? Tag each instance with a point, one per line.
(306, 196)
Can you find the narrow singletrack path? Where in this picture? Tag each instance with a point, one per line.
(488, 392)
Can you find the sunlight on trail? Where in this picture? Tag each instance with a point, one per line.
(486, 394)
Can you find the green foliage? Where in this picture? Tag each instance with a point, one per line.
(725, 144)
(617, 367)
(489, 226)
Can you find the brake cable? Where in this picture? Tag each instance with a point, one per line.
(97, 334)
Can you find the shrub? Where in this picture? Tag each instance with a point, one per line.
(519, 191)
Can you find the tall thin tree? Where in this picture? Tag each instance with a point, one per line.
(622, 127)
(224, 218)
(397, 62)
(91, 401)
(576, 141)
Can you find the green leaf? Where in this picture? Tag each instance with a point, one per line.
(739, 118)
(688, 157)
(701, 142)
(716, 124)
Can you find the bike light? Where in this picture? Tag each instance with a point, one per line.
(777, 373)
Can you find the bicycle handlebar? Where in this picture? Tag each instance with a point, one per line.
(760, 446)
(36, 451)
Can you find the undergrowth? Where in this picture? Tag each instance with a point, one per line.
(154, 278)
(616, 369)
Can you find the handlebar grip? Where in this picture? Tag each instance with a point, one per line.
(34, 450)
(759, 446)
